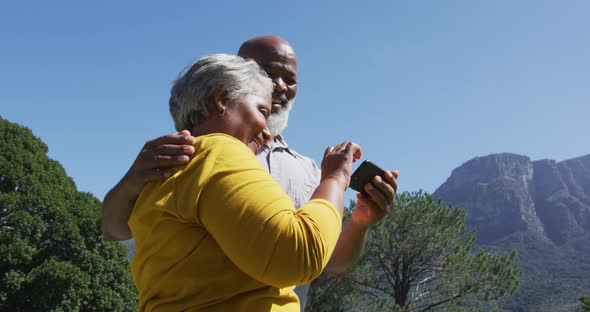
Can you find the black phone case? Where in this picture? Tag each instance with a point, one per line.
(364, 174)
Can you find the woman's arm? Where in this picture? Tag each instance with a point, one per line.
(368, 210)
(255, 223)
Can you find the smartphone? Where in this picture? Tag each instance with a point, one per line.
(364, 174)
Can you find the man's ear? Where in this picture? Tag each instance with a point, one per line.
(218, 102)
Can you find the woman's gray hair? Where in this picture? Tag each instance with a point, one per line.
(191, 92)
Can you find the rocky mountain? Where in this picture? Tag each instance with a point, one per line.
(539, 208)
(509, 193)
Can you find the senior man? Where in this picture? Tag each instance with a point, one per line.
(298, 175)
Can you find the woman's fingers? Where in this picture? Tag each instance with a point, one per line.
(328, 150)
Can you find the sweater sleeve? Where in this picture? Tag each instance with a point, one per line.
(256, 225)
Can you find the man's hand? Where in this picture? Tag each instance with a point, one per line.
(154, 162)
(371, 209)
(157, 158)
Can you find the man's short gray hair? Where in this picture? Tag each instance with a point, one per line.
(191, 92)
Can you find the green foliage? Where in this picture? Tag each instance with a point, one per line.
(585, 303)
(553, 276)
(53, 255)
(421, 258)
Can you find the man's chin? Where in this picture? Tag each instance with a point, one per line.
(277, 122)
(276, 125)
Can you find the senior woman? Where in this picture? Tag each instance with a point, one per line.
(221, 234)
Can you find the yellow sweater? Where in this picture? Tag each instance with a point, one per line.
(221, 235)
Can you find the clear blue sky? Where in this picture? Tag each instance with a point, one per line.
(422, 86)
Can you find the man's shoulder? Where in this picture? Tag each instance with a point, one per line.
(283, 142)
(308, 159)
(306, 163)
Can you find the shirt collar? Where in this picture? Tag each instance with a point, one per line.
(279, 143)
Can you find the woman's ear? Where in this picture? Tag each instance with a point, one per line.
(219, 99)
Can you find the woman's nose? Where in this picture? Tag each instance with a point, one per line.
(266, 135)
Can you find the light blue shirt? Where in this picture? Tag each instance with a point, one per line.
(298, 175)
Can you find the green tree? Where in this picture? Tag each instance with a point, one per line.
(585, 303)
(53, 255)
(420, 258)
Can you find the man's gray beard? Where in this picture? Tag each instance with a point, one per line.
(277, 122)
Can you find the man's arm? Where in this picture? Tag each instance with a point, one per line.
(368, 210)
(154, 162)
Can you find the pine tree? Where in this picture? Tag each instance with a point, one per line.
(421, 258)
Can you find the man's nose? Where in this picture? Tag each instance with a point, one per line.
(279, 85)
